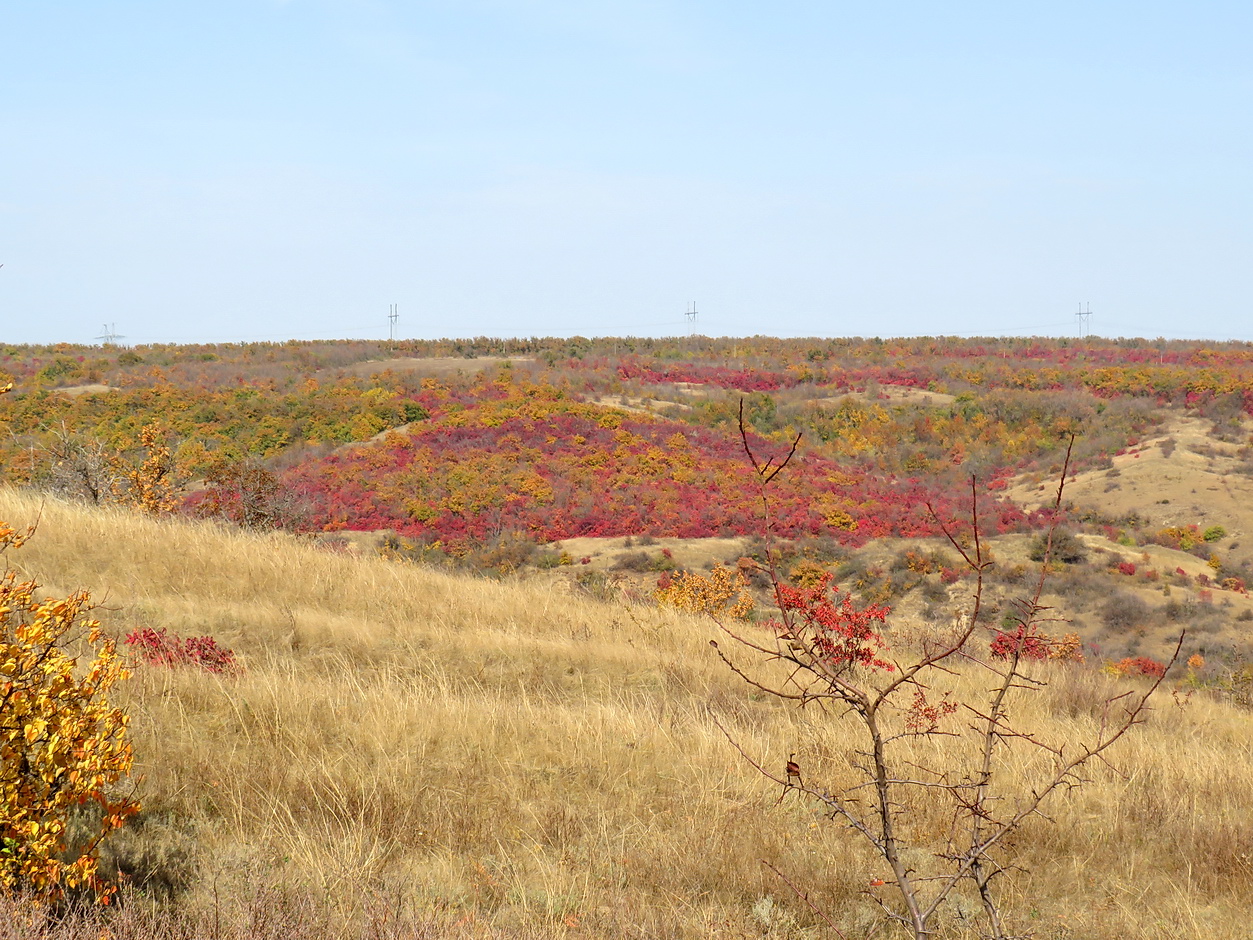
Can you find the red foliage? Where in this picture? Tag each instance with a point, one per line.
(924, 717)
(1127, 567)
(1028, 645)
(161, 648)
(843, 634)
(1141, 666)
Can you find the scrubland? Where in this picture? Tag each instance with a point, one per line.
(412, 752)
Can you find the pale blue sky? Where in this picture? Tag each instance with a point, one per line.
(254, 169)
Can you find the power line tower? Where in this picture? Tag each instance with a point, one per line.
(691, 320)
(109, 334)
(1084, 316)
(393, 314)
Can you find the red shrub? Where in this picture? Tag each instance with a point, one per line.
(161, 648)
(1028, 645)
(843, 634)
(1141, 666)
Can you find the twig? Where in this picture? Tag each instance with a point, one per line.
(805, 897)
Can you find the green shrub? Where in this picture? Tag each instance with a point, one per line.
(1067, 548)
(638, 562)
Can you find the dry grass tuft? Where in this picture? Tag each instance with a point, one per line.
(413, 753)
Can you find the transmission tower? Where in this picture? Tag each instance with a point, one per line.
(691, 320)
(393, 314)
(109, 334)
(1084, 317)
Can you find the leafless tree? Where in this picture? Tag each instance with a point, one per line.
(79, 467)
(825, 653)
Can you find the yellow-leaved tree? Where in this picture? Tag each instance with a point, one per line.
(150, 484)
(63, 747)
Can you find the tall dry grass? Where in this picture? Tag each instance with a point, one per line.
(435, 755)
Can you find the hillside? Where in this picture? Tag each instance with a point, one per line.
(1188, 472)
(457, 444)
(510, 759)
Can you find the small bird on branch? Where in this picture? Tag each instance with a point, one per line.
(793, 776)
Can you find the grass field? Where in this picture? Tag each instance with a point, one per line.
(410, 752)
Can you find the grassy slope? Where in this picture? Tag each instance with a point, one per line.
(512, 758)
(1198, 479)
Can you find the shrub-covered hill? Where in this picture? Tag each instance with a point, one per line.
(430, 754)
(512, 456)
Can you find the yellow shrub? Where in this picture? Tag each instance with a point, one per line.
(62, 746)
(710, 595)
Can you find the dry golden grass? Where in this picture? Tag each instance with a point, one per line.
(505, 759)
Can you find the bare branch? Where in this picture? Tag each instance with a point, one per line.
(765, 471)
(805, 898)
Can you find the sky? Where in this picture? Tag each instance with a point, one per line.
(256, 170)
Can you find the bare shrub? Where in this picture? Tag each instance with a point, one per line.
(638, 562)
(1124, 610)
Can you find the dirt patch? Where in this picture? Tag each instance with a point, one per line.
(894, 395)
(95, 389)
(379, 438)
(694, 554)
(646, 406)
